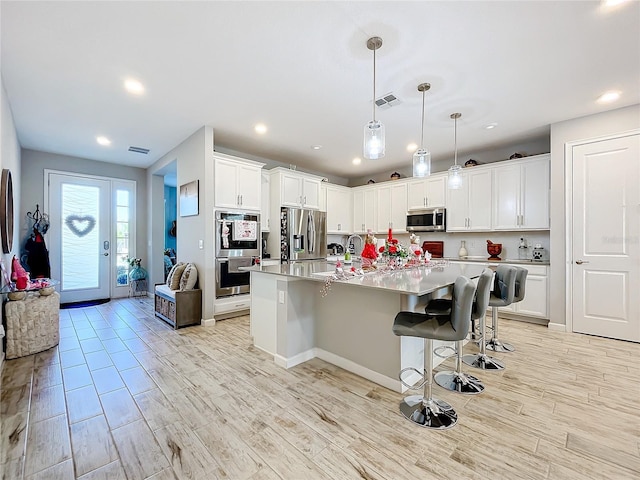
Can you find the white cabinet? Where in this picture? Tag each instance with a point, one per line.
(392, 207)
(427, 192)
(237, 182)
(364, 209)
(535, 302)
(521, 194)
(297, 189)
(339, 208)
(469, 207)
(265, 214)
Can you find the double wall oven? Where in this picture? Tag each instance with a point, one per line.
(237, 245)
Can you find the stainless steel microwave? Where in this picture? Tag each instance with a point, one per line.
(427, 220)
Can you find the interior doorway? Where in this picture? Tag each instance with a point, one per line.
(605, 245)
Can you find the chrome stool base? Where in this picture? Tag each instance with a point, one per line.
(433, 413)
(459, 382)
(497, 346)
(484, 362)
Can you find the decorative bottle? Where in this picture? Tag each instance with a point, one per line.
(463, 249)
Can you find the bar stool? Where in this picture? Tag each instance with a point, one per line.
(503, 292)
(425, 410)
(499, 300)
(458, 381)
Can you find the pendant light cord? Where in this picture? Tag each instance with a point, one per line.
(455, 140)
(422, 132)
(374, 85)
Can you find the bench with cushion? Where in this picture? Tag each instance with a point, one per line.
(177, 301)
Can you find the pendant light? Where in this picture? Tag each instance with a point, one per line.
(422, 157)
(455, 170)
(374, 130)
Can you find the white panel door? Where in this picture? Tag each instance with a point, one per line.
(80, 236)
(606, 233)
(249, 186)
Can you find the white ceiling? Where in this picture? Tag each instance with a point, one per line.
(304, 70)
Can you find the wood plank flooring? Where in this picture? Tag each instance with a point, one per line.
(125, 396)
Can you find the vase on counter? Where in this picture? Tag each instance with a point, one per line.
(463, 249)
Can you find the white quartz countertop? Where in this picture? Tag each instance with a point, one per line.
(413, 281)
(484, 259)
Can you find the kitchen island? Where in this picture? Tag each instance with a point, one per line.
(349, 326)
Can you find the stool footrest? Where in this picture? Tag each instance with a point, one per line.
(439, 351)
(414, 386)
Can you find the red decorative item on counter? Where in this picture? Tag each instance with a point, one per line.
(494, 249)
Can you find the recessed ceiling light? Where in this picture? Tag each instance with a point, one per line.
(613, 3)
(356, 161)
(412, 147)
(104, 141)
(133, 86)
(608, 97)
(260, 128)
(316, 147)
(491, 126)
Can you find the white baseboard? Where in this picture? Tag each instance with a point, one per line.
(208, 322)
(364, 372)
(295, 360)
(558, 327)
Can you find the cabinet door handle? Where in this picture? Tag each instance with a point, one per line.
(338, 226)
(426, 201)
(240, 199)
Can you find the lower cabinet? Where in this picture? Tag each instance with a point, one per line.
(536, 297)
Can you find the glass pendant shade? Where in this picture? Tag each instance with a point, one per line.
(374, 140)
(454, 182)
(455, 177)
(422, 163)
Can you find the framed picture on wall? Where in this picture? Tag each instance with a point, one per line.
(189, 199)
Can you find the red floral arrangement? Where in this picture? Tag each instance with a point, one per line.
(392, 248)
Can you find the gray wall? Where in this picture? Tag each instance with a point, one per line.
(35, 162)
(592, 126)
(10, 159)
(194, 161)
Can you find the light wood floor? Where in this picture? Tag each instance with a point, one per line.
(124, 396)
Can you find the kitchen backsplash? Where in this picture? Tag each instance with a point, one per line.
(476, 242)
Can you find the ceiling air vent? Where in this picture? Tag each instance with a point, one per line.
(141, 150)
(387, 101)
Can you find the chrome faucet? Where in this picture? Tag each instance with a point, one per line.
(355, 255)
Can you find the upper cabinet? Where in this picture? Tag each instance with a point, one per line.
(339, 208)
(469, 207)
(427, 192)
(392, 207)
(521, 194)
(365, 201)
(265, 214)
(296, 189)
(237, 182)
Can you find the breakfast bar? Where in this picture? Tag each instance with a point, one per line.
(296, 316)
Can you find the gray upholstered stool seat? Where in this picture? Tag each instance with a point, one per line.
(458, 381)
(505, 294)
(425, 410)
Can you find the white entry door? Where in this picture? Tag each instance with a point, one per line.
(606, 238)
(80, 236)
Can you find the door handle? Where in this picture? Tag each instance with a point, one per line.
(580, 262)
(106, 254)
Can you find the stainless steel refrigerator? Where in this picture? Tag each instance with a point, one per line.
(303, 234)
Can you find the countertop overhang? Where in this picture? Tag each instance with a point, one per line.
(409, 281)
